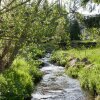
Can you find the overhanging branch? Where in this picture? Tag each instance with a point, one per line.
(14, 7)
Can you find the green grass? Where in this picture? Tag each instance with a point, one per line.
(92, 54)
(90, 79)
(88, 74)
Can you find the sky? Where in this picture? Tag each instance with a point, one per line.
(89, 10)
(83, 10)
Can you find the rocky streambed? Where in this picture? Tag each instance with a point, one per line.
(56, 85)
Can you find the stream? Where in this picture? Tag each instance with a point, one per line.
(56, 85)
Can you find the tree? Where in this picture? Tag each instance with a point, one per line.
(85, 1)
(75, 30)
(24, 27)
(15, 28)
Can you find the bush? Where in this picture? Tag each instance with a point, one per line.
(73, 71)
(83, 77)
(32, 52)
(36, 74)
(20, 80)
(3, 84)
(60, 57)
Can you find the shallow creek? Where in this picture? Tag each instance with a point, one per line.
(56, 85)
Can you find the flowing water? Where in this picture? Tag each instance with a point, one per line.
(56, 85)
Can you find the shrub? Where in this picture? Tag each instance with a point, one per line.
(83, 77)
(36, 74)
(20, 80)
(3, 84)
(60, 57)
(73, 71)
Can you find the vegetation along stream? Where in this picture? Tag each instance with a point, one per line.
(30, 29)
(56, 85)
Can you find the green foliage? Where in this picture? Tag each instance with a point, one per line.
(20, 80)
(3, 85)
(97, 1)
(90, 79)
(94, 34)
(75, 30)
(73, 72)
(85, 1)
(32, 52)
(31, 29)
(60, 57)
(27, 33)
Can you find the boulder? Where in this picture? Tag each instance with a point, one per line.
(98, 97)
(73, 61)
(86, 61)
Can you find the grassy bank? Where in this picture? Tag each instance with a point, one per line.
(83, 64)
(18, 82)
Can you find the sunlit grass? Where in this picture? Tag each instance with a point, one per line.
(93, 54)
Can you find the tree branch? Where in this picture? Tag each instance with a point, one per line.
(14, 7)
